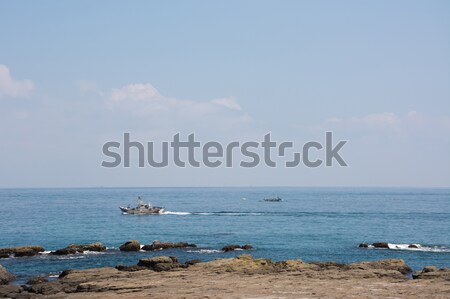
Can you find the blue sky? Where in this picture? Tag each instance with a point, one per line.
(376, 73)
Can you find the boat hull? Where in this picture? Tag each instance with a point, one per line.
(134, 211)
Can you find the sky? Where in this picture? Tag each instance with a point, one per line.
(77, 74)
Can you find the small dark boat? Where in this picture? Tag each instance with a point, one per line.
(273, 199)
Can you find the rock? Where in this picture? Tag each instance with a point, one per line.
(9, 291)
(160, 263)
(130, 268)
(157, 245)
(427, 269)
(132, 245)
(381, 245)
(79, 248)
(431, 272)
(413, 246)
(5, 276)
(192, 262)
(37, 279)
(387, 264)
(234, 247)
(363, 245)
(231, 247)
(20, 251)
(4, 255)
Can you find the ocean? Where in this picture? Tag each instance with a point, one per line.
(312, 224)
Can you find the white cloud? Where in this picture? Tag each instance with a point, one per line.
(385, 119)
(144, 100)
(230, 103)
(13, 88)
(135, 92)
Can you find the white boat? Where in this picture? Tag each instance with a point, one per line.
(142, 209)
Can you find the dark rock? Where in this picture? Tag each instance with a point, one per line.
(132, 245)
(37, 279)
(65, 273)
(157, 245)
(192, 262)
(160, 263)
(5, 276)
(20, 251)
(235, 246)
(79, 248)
(381, 245)
(231, 247)
(363, 245)
(130, 268)
(4, 255)
(413, 246)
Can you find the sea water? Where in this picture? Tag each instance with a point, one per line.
(312, 224)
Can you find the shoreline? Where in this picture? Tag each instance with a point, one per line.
(240, 277)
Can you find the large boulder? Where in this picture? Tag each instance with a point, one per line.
(131, 245)
(157, 245)
(20, 251)
(5, 276)
(160, 263)
(79, 248)
(381, 245)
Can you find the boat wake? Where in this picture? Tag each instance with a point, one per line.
(176, 213)
(223, 213)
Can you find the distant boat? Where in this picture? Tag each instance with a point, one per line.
(273, 199)
(142, 209)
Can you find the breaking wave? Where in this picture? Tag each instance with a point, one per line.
(205, 251)
(416, 247)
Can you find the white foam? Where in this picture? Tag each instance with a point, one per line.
(418, 247)
(415, 247)
(205, 251)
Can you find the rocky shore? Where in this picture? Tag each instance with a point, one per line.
(241, 277)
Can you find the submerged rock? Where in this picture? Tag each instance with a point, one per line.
(363, 245)
(235, 246)
(157, 245)
(20, 251)
(79, 248)
(131, 245)
(381, 245)
(5, 276)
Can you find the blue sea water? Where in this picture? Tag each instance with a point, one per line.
(312, 224)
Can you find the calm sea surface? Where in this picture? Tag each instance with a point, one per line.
(313, 224)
